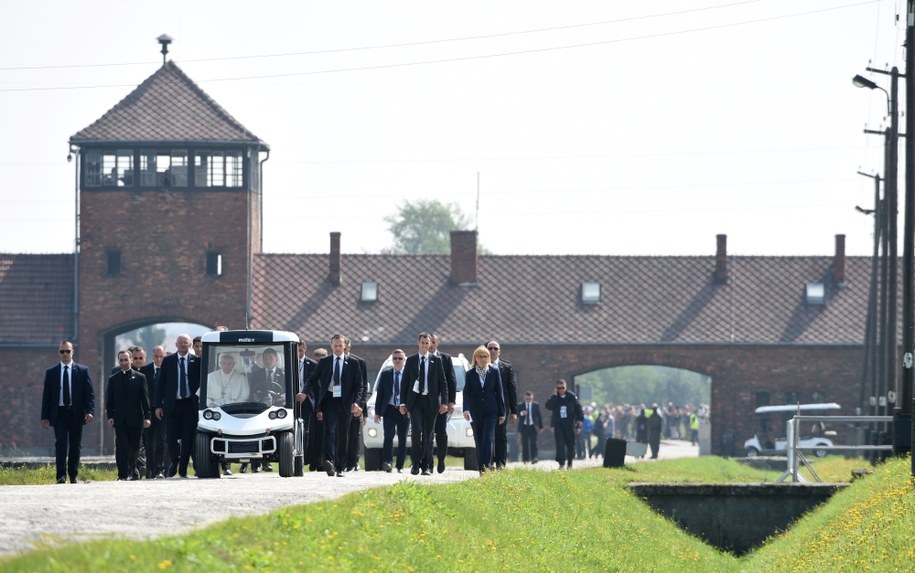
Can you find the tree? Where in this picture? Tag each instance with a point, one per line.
(424, 227)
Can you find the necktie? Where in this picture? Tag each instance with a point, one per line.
(156, 374)
(301, 375)
(422, 375)
(337, 371)
(66, 385)
(397, 386)
(185, 392)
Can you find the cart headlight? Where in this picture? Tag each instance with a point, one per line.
(272, 414)
(281, 413)
(211, 415)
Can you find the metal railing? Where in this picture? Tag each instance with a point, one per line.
(795, 457)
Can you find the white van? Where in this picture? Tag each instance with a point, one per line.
(460, 433)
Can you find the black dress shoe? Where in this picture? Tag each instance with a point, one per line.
(441, 466)
(339, 474)
(386, 467)
(256, 469)
(414, 470)
(267, 467)
(329, 468)
(61, 480)
(427, 473)
(243, 469)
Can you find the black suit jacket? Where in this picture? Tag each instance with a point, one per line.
(350, 379)
(127, 400)
(261, 385)
(436, 383)
(486, 399)
(385, 391)
(167, 390)
(448, 366)
(82, 397)
(510, 384)
(535, 415)
(308, 368)
(149, 371)
(365, 383)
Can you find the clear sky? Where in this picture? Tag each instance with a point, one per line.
(587, 127)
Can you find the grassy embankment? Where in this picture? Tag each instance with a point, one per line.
(584, 520)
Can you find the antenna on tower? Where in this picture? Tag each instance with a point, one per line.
(165, 40)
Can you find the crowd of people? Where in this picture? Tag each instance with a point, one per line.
(153, 407)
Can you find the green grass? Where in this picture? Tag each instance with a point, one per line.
(584, 520)
(48, 474)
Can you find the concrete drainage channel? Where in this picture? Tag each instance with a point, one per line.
(718, 513)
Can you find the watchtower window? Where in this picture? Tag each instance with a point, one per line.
(109, 168)
(219, 169)
(163, 168)
(214, 264)
(114, 262)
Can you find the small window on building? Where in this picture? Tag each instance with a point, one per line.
(114, 262)
(816, 293)
(163, 168)
(214, 264)
(369, 291)
(109, 168)
(218, 169)
(590, 293)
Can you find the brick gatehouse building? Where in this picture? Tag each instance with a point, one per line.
(170, 224)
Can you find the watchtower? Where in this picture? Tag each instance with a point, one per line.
(169, 210)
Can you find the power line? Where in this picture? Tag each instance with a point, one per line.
(477, 57)
(401, 44)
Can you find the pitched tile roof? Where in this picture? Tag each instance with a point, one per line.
(36, 299)
(167, 108)
(536, 299)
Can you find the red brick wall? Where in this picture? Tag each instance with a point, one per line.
(163, 238)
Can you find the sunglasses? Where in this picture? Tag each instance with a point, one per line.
(397, 358)
(493, 348)
(65, 351)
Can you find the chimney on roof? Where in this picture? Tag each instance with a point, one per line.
(721, 260)
(463, 257)
(334, 271)
(838, 263)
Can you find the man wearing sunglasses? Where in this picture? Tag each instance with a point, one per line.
(67, 404)
(387, 410)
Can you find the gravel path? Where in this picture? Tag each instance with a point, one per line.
(54, 514)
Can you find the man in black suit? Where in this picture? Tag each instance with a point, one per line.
(67, 404)
(387, 410)
(441, 421)
(306, 400)
(154, 435)
(423, 396)
(354, 435)
(510, 385)
(268, 385)
(530, 423)
(337, 386)
(176, 403)
(127, 410)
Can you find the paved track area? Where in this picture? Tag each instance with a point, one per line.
(145, 509)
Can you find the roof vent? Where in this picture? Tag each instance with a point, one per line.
(816, 293)
(590, 292)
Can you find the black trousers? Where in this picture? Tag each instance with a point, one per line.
(154, 440)
(528, 442)
(565, 443)
(422, 416)
(181, 427)
(500, 452)
(336, 425)
(441, 435)
(127, 448)
(68, 436)
(394, 423)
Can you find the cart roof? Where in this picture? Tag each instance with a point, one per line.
(797, 408)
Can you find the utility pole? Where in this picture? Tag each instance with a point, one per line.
(902, 422)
